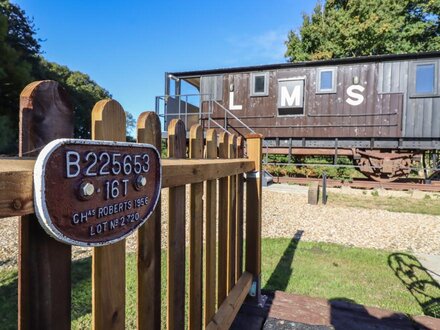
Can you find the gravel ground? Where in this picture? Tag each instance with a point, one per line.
(285, 212)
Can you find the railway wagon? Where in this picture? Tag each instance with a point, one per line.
(382, 111)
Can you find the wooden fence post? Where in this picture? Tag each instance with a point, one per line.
(232, 214)
(44, 263)
(211, 231)
(149, 238)
(222, 224)
(196, 235)
(253, 212)
(176, 233)
(108, 269)
(240, 190)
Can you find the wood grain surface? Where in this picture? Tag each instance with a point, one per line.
(196, 235)
(149, 245)
(44, 263)
(108, 262)
(176, 234)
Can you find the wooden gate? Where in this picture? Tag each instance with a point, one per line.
(212, 167)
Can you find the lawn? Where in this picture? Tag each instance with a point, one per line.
(428, 205)
(393, 281)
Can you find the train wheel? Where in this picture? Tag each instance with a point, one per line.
(384, 166)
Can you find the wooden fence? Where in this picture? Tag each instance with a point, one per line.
(218, 282)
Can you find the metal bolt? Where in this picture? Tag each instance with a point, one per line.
(86, 189)
(141, 181)
(17, 205)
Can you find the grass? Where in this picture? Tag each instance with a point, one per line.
(427, 205)
(394, 281)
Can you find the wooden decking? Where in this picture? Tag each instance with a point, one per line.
(288, 311)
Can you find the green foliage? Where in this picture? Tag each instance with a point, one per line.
(164, 148)
(314, 167)
(17, 47)
(8, 135)
(343, 28)
(130, 124)
(21, 63)
(82, 90)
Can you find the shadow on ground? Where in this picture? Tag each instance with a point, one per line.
(279, 279)
(81, 288)
(288, 311)
(81, 293)
(8, 300)
(418, 281)
(346, 314)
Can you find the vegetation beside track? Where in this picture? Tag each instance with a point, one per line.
(314, 167)
(372, 200)
(331, 271)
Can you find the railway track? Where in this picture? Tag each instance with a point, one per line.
(404, 184)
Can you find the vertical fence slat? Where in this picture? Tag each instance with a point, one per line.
(108, 266)
(196, 235)
(149, 241)
(222, 224)
(253, 210)
(232, 210)
(239, 248)
(211, 226)
(44, 263)
(176, 233)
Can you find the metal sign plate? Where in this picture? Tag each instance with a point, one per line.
(94, 193)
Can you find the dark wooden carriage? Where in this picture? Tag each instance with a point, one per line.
(380, 110)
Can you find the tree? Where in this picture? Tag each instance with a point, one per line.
(130, 124)
(17, 48)
(82, 90)
(21, 63)
(344, 28)
(83, 93)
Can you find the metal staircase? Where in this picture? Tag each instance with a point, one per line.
(184, 107)
(205, 118)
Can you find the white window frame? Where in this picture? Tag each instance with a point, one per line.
(413, 81)
(303, 114)
(266, 84)
(334, 72)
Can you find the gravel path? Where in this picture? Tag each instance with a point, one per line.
(286, 212)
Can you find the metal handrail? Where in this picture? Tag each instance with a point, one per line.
(234, 116)
(220, 126)
(208, 114)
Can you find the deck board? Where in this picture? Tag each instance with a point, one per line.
(303, 312)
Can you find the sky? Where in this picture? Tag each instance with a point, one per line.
(127, 46)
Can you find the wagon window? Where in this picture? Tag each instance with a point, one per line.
(211, 88)
(425, 78)
(259, 84)
(326, 80)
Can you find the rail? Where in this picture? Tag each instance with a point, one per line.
(184, 114)
(17, 176)
(228, 112)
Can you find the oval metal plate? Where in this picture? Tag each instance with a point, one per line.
(83, 197)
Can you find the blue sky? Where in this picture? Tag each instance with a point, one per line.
(126, 46)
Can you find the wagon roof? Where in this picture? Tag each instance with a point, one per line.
(336, 61)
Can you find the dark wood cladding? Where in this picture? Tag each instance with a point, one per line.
(325, 115)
